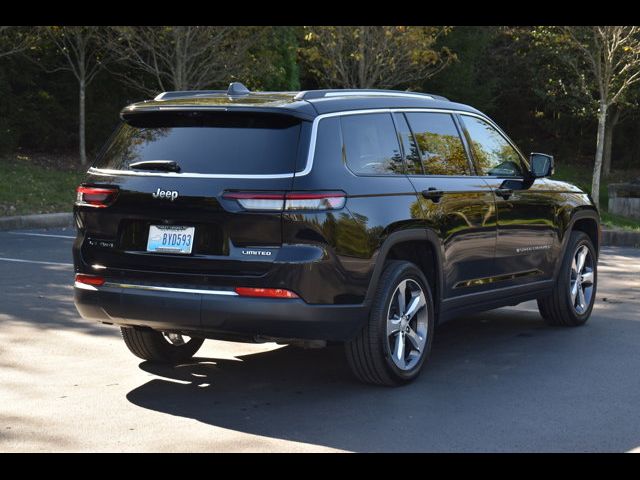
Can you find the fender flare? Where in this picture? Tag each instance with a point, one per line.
(578, 214)
(419, 234)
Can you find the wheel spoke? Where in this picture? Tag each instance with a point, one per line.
(393, 326)
(398, 352)
(402, 303)
(416, 304)
(581, 300)
(574, 291)
(581, 257)
(415, 339)
(587, 278)
(574, 268)
(175, 338)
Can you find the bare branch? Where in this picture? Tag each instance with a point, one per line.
(12, 41)
(181, 57)
(374, 56)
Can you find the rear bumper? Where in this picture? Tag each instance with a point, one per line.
(218, 312)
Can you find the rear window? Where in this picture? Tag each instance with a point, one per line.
(210, 143)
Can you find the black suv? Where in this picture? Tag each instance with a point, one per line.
(357, 216)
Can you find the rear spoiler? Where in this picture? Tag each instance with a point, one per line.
(135, 110)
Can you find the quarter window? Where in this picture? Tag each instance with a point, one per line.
(493, 153)
(441, 148)
(371, 145)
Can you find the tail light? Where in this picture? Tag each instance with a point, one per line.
(93, 280)
(265, 292)
(290, 201)
(98, 197)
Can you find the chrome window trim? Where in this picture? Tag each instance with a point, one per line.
(312, 147)
(115, 172)
(170, 289)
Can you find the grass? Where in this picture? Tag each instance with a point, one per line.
(610, 220)
(581, 176)
(28, 188)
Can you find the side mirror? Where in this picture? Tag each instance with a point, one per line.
(541, 165)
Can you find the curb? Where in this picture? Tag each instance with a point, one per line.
(620, 238)
(45, 220)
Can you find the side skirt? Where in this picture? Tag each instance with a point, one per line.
(500, 297)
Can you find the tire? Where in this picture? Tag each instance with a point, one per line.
(371, 353)
(156, 347)
(559, 308)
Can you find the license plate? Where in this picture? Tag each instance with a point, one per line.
(170, 239)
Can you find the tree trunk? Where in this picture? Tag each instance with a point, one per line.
(83, 151)
(608, 141)
(602, 123)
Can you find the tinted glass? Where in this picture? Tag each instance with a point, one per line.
(441, 148)
(411, 153)
(371, 144)
(494, 155)
(200, 142)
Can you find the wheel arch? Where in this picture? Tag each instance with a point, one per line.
(406, 245)
(586, 220)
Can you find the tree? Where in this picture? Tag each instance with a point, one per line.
(607, 59)
(374, 56)
(84, 55)
(12, 40)
(181, 57)
(613, 117)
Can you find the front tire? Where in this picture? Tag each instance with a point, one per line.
(160, 347)
(396, 341)
(574, 293)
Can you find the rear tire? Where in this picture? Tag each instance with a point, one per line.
(574, 293)
(157, 347)
(396, 341)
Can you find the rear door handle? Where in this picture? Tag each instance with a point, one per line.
(432, 194)
(504, 192)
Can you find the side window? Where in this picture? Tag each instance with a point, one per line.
(494, 155)
(371, 145)
(411, 153)
(441, 148)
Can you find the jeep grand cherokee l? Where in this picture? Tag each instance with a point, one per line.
(363, 217)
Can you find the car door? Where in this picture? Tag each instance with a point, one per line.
(527, 243)
(457, 205)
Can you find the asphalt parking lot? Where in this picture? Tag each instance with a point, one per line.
(497, 381)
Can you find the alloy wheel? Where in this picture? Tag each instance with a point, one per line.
(407, 324)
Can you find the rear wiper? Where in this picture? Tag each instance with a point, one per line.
(164, 165)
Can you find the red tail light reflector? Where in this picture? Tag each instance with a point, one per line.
(94, 280)
(265, 292)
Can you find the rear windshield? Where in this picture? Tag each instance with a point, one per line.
(209, 143)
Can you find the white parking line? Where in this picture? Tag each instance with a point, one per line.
(42, 235)
(18, 260)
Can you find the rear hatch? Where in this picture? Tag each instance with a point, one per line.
(169, 171)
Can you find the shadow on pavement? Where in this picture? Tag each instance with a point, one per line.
(499, 381)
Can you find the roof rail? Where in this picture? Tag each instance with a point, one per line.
(313, 94)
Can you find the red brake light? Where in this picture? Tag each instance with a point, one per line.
(265, 292)
(94, 280)
(98, 197)
(289, 201)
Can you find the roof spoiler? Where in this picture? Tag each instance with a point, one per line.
(236, 89)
